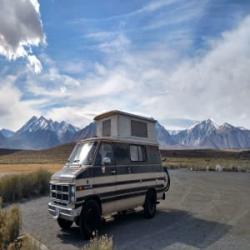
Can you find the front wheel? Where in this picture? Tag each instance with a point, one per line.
(90, 219)
(150, 204)
(64, 224)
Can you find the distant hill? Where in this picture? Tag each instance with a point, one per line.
(61, 153)
(57, 154)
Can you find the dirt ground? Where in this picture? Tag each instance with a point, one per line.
(207, 210)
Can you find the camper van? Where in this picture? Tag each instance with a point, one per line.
(116, 171)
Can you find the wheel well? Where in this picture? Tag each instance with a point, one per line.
(97, 199)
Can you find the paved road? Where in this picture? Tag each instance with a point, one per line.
(202, 210)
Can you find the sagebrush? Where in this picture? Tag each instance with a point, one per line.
(10, 225)
(16, 187)
(100, 243)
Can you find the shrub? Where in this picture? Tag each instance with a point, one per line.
(100, 243)
(10, 224)
(27, 242)
(16, 187)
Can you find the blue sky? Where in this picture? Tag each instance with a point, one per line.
(175, 60)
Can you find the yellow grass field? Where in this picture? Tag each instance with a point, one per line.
(27, 168)
(26, 161)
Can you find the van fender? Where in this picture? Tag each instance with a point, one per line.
(95, 198)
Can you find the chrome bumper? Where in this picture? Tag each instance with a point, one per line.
(63, 212)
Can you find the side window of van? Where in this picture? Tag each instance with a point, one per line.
(153, 155)
(121, 153)
(137, 153)
(106, 128)
(105, 151)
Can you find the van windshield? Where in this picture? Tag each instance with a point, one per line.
(83, 153)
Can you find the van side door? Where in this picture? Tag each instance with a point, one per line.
(105, 173)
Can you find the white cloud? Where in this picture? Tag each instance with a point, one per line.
(74, 67)
(217, 84)
(20, 29)
(72, 114)
(13, 110)
(150, 7)
(157, 83)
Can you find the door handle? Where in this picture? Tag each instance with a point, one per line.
(113, 171)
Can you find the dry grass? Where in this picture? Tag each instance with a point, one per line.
(208, 164)
(28, 168)
(26, 242)
(27, 161)
(16, 187)
(10, 224)
(207, 159)
(100, 243)
(57, 155)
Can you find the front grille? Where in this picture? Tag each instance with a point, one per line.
(61, 188)
(60, 193)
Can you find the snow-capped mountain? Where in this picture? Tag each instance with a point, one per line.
(228, 136)
(208, 134)
(86, 132)
(2, 140)
(36, 124)
(6, 133)
(38, 133)
(196, 134)
(163, 136)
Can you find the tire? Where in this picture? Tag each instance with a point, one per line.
(90, 219)
(150, 204)
(64, 224)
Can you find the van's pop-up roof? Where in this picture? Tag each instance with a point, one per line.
(122, 125)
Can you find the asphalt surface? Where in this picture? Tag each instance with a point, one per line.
(202, 210)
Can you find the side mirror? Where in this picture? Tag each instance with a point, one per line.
(106, 161)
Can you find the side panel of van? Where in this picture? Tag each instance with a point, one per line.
(138, 170)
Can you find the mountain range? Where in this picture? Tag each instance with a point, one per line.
(41, 133)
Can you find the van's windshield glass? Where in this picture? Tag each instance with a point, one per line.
(83, 153)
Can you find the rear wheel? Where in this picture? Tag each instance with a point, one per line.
(150, 204)
(90, 219)
(64, 224)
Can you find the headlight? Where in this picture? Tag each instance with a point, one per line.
(73, 189)
(72, 193)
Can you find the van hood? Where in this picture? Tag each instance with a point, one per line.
(67, 174)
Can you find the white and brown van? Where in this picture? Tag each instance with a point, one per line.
(118, 170)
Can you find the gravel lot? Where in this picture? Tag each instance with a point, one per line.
(202, 210)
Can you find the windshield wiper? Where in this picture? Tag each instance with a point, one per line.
(76, 160)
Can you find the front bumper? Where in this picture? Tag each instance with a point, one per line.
(66, 213)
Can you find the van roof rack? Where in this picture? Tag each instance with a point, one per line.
(118, 112)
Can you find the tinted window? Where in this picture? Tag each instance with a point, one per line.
(105, 150)
(139, 129)
(106, 127)
(121, 153)
(137, 153)
(153, 154)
